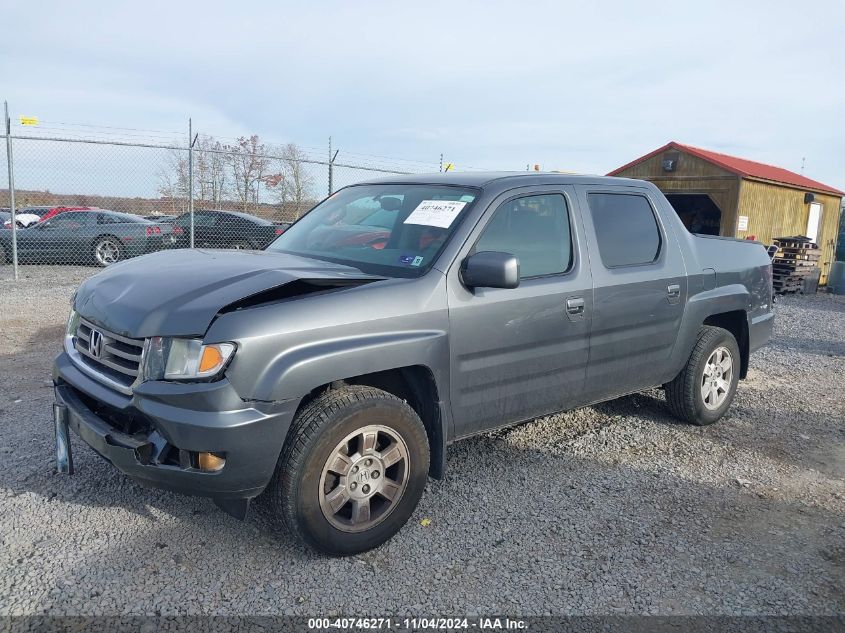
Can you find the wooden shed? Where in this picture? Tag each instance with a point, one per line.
(718, 194)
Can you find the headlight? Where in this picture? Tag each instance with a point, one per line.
(184, 358)
(189, 358)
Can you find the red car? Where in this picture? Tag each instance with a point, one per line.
(57, 210)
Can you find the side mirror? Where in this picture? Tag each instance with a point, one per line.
(490, 269)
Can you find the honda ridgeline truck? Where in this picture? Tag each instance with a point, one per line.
(330, 371)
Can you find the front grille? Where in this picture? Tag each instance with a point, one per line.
(117, 357)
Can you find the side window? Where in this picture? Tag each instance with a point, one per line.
(200, 219)
(535, 229)
(102, 218)
(71, 220)
(626, 229)
(206, 219)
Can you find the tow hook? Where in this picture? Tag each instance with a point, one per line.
(64, 458)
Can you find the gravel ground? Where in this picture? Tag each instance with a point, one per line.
(609, 509)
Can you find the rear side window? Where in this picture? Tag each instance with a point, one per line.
(68, 220)
(626, 229)
(202, 219)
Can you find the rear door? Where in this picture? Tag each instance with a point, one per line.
(639, 290)
(520, 353)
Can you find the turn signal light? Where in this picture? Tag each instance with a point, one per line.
(210, 461)
(211, 358)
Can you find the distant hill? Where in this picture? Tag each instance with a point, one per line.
(286, 212)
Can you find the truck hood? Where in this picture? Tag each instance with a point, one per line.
(178, 293)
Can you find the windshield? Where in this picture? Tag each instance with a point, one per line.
(390, 230)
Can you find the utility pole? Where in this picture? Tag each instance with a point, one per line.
(331, 166)
(10, 165)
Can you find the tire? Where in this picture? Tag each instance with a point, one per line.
(3, 259)
(107, 251)
(685, 394)
(241, 245)
(306, 487)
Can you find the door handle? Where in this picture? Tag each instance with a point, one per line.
(673, 290)
(575, 305)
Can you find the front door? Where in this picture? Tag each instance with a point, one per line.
(520, 353)
(639, 290)
(53, 240)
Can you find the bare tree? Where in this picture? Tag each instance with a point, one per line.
(293, 183)
(173, 181)
(211, 182)
(249, 163)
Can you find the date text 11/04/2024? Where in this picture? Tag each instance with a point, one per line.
(416, 624)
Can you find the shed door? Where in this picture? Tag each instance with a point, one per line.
(813, 221)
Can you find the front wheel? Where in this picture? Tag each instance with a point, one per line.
(352, 470)
(705, 388)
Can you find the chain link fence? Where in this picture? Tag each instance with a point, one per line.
(96, 196)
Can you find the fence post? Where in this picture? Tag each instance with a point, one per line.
(11, 169)
(331, 174)
(191, 176)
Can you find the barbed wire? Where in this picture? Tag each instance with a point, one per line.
(50, 129)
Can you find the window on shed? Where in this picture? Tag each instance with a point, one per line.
(626, 229)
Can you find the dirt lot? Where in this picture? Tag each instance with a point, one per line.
(609, 509)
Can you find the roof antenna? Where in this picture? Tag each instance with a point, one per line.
(803, 158)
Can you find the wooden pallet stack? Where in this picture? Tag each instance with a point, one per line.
(796, 260)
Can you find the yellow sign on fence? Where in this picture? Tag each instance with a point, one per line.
(29, 120)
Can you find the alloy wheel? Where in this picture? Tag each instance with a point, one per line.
(364, 478)
(717, 378)
(107, 252)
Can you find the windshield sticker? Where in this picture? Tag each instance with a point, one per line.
(417, 260)
(406, 259)
(440, 213)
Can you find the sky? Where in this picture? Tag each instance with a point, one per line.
(575, 86)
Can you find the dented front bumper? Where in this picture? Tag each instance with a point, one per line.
(152, 434)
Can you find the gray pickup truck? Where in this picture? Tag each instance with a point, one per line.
(331, 370)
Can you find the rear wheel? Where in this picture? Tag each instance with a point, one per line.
(107, 250)
(3, 258)
(705, 388)
(352, 471)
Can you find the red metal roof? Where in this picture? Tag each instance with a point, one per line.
(740, 166)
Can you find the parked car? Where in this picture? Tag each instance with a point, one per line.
(101, 237)
(225, 229)
(332, 379)
(27, 216)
